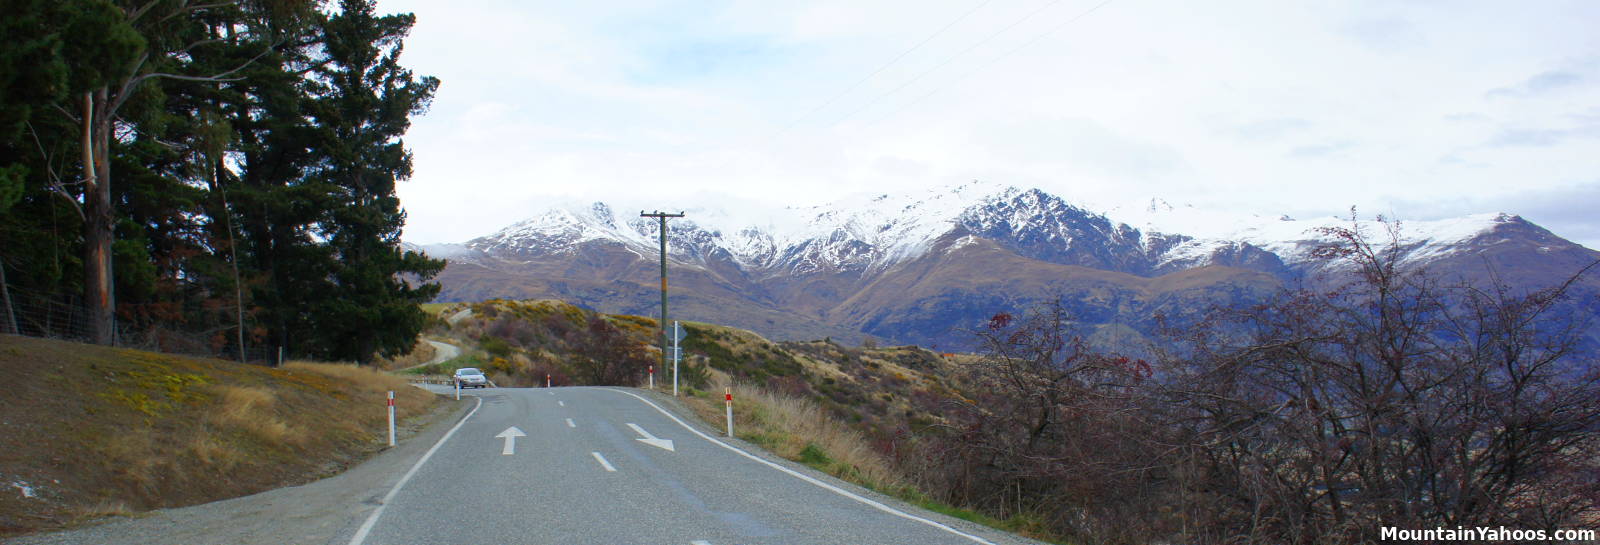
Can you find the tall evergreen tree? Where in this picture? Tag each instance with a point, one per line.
(256, 146)
(362, 102)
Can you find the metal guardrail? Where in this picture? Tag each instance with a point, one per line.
(438, 379)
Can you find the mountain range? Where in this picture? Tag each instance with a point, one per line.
(928, 267)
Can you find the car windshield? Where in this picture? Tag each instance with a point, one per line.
(469, 371)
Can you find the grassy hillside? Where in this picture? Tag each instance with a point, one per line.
(89, 430)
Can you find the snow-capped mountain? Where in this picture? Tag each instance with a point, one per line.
(874, 233)
(825, 269)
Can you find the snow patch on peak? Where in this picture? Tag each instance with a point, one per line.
(874, 231)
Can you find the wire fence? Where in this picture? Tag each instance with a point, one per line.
(33, 315)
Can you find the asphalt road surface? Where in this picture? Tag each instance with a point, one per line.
(442, 352)
(607, 466)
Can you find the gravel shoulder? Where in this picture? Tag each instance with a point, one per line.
(325, 511)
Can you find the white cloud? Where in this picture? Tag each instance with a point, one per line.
(1255, 106)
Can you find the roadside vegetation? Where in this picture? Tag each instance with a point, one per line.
(152, 194)
(851, 412)
(1397, 399)
(87, 431)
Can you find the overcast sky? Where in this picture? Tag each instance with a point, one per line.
(1415, 109)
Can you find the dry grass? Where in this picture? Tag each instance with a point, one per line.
(133, 457)
(250, 409)
(211, 452)
(371, 384)
(106, 431)
(801, 430)
(105, 508)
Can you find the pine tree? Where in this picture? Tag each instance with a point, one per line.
(362, 103)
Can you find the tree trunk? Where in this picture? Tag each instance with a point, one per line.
(233, 254)
(97, 225)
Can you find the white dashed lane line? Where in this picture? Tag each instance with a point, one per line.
(603, 462)
(570, 424)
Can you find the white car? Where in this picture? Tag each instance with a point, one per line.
(468, 377)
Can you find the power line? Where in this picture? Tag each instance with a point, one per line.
(991, 62)
(858, 83)
(963, 52)
(880, 69)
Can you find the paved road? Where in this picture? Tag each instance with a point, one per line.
(442, 352)
(581, 475)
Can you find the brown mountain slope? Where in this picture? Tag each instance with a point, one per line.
(932, 300)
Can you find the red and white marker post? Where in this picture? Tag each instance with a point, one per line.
(547, 380)
(727, 396)
(391, 418)
(652, 378)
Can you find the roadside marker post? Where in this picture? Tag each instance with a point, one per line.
(727, 395)
(458, 389)
(391, 418)
(547, 380)
(677, 335)
(652, 378)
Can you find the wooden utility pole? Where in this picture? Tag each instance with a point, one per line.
(662, 330)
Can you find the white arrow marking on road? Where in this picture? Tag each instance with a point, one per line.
(510, 435)
(651, 439)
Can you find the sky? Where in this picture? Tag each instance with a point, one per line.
(1413, 109)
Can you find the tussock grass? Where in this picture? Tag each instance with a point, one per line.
(799, 429)
(131, 431)
(132, 456)
(372, 385)
(802, 430)
(210, 451)
(105, 508)
(250, 409)
(812, 436)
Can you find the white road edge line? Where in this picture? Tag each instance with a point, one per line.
(372, 520)
(603, 462)
(699, 542)
(570, 424)
(840, 491)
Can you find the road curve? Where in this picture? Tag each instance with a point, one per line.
(442, 352)
(593, 465)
